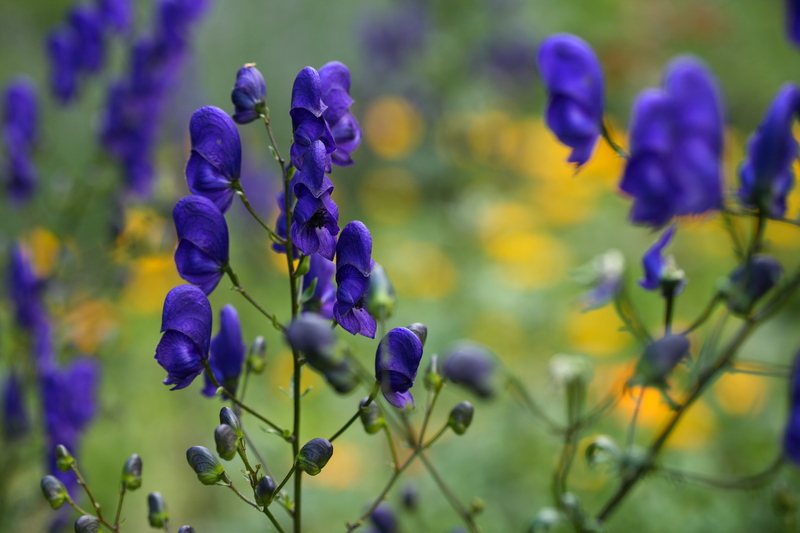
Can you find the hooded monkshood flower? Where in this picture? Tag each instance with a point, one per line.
(396, 363)
(676, 146)
(335, 79)
(384, 519)
(308, 124)
(767, 175)
(791, 438)
(88, 25)
(186, 328)
(23, 175)
(659, 271)
(20, 114)
(658, 361)
(216, 160)
(793, 21)
(574, 81)
(116, 14)
(353, 267)
(25, 289)
(750, 281)
(202, 252)
(321, 270)
(315, 223)
(249, 95)
(227, 352)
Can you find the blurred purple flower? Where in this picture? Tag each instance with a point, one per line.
(20, 114)
(90, 46)
(227, 352)
(509, 60)
(202, 252)
(249, 94)
(396, 364)
(750, 281)
(676, 146)
(324, 296)
(471, 366)
(353, 267)
(793, 21)
(384, 519)
(22, 175)
(26, 290)
(574, 81)
(766, 174)
(62, 51)
(658, 360)
(658, 269)
(16, 420)
(186, 327)
(393, 37)
(216, 160)
(116, 14)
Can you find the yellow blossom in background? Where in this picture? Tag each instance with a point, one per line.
(149, 280)
(510, 345)
(280, 369)
(44, 248)
(707, 235)
(529, 260)
(741, 394)
(597, 332)
(390, 195)
(493, 137)
(143, 233)
(429, 275)
(90, 323)
(392, 127)
(504, 218)
(345, 467)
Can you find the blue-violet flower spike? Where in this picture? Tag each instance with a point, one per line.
(227, 354)
(396, 363)
(202, 252)
(353, 267)
(660, 270)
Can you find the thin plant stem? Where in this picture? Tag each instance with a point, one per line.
(607, 136)
(237, 185)
(530, 403)
(122, 490)
(436, 437)
(285, 479)
(356, 415)
(733, 231)
(629, 317)
(669, 296)
(235, 400)
(632, 427)
(758, 368)
(705, 315)
(743, 483)
(428, 410)
(244, 498)
(253, 447)
(458, 507)
(392, 449)
(82, 482)
(273, 520)
(77, 507)
(166, 526)
(238, 287)
(251, 473)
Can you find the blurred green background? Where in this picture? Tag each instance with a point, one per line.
(476, 218)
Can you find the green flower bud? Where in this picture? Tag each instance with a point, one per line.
(547, 519)
(208, 469)
(460, 417)
(265, 491)
(64, 459)
(132, 472)
(476, 506)
(371, 416)
(432, 379)
(314, 455)
(87, 524)
(420, 330)
(227, 441)
(227, 416)
(381, 297)
(157, 510)
(257, 358)
(54, 491)
(186, 529)
(568, 369)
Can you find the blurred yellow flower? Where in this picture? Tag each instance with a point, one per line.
(143, 233)
(44, 248)
(597, 333)
(741, 394)
(501, 332)
(389, 195)
(150, 279)
(529, 260)
(89, 323)
(430, 275)
(345, 467)
(392, 127)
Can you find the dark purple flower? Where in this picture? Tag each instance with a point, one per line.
(16, 420)
(472, 366)
(20, 114)
(249, 95)
(315, 223)
(186, 328)
(767, 175)
(227, 352)
(116, 14)
(311, 335)
(791, 438)
(62, 50)
(750, 281)
(396, 363)
(335, 79)
(25, 289)
(659, 359)
(676, 146)
(793, 21)
(393, 37)
(574, 81)
(509, 60)
(384, 519)
(312, 175)
(90, 46)
(22, 176)
(308, 123)
(174, 19)
(353, 267)
(659, 271)
(216, 160)
(321, 270)
(202, 252)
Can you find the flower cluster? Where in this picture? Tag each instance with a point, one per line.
(20, 132)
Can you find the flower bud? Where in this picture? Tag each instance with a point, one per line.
(380, 298)
(265, 491)
(64, 459)
(568, 369)
(472, 366)
(257, 358)
(157, 510)
(371, 416)
(227, 416)
(227, 441)
(384, 519)
(186, 529)
(659, 359)
(602, 450)
(314, 455)
(432, 379)
(547, 519)
(249, 95)
(311, 335)
(460, 417)
(341, 377)
(87, 524)
(132, 472)
(208, 469)
(749, 282)
(476, 506)
(410, 497)
(54, 491)
(420, 330)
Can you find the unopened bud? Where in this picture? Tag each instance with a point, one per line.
(547, 519)
(54, 491)
(750, 281)
(227, 441)
(208, 469)
(64, 459)
(265, 491)
(381, 298)
(186, 529)
(472, 366)
(132, 472)
(228, 417)
(314, 455)
(157, 510)
(476, 506)
(420, 330)
(371, 416)
(257, 357)
(461, 417)
(87, 524)
(410, 497)
(432, 379)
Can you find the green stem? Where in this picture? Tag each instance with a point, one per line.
(705, 315)
(356, 415)
(606, 132)
(530, 403)
(458, 507)
(428, 410)
(760, 369)
(273, 520)
(82, 482)
(632, 428)
(669, 296)
(285, 480)
(237, 185)
(436, 437)
(743, 483)
(733, 231)
(123, 489)
(238, 287)
(261, 460)
(244, 498)
(629, 317)
(395, 460)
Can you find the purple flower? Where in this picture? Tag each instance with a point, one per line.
(353, 267)
(384, 519)
(62, 50)
(308, 123)
(605, 276)
(312, 175)
(25, 289)
(574, 81)
(16, 420)
(321, 270)
(227, 352)
(659, 270)
(249, 95)
(750, 281)
(335, 80)
(216, 160)
(791, 438)
(20, 114)
(186, 328)
(88, 26)
(396, 363)
(202, 252)
(311, 335)
(22, 175)
(392, 38)
(793, 21)
(767, 175)
(676, 146)
(116, 14)
(314, 224)
(471, 366)
(658, 361)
